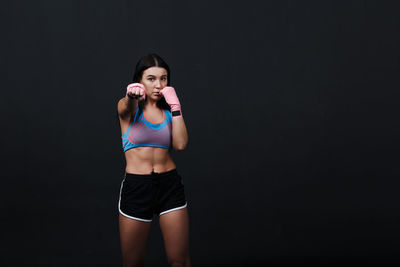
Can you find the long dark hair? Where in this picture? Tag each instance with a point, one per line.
(147, 61)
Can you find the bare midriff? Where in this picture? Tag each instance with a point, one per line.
(147, 159)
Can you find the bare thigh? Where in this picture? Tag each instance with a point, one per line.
(175, 229)
(133, 236)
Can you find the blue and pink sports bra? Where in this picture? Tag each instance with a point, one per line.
(143, 132)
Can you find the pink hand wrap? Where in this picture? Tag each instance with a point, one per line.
(137, 88)
(171, 98)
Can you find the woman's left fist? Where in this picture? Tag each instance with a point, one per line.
(171, 98)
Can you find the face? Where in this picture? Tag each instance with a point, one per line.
(154, 79)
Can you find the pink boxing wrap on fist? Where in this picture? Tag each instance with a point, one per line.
(171, 98)
(137, 87)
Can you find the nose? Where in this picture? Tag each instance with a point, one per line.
(158, 84)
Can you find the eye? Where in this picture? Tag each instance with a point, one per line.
(151, 79)
(164, 78)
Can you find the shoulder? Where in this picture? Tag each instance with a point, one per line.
(123, 112)
(168, 114)
(121, 107)
(120, 103)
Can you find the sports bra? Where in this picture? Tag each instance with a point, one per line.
(143, 132)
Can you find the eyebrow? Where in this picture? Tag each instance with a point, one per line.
(154, 75)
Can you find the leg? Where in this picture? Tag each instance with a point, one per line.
(133, 234)
(175, 229)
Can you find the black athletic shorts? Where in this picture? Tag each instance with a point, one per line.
(142, 195)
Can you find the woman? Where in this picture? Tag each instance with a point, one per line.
(151, 125)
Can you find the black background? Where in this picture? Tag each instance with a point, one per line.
(291, 109)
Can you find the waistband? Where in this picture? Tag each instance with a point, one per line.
(153, 175)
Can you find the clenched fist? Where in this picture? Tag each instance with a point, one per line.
(136, 91)
(172, 100)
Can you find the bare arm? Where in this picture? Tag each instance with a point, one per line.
(179, 133)
(126, 106)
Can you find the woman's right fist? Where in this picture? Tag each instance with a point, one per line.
(136, 91)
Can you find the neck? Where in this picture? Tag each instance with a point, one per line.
(150, 104)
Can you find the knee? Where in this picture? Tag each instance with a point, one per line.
(129, 260)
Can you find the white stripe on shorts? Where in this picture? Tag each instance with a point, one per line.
(181, 207)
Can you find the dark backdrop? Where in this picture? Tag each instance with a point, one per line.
(292, 114)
